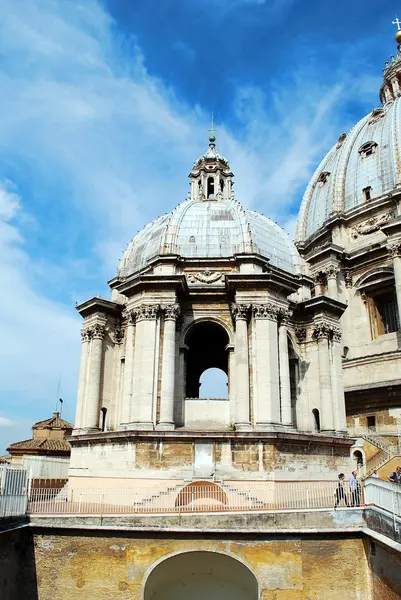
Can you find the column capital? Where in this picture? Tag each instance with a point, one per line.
(171, 312)
(324, 329)
(394, 248)
(117, 334)
(129, 317)
(266, 311)
(284, 316)
(146, 312)
(331, 271)
(319, 277)
(86, 334)
(240, 311)
(98, 332)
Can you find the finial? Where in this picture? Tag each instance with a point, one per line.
(398, 34)
(212, 137)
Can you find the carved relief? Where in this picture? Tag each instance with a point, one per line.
(117, 334)
(98, 332)
(347, 279)
(326, 330)
(371, 225)
(86, 335)
(331, 271)
(206, 276)
(300, 334)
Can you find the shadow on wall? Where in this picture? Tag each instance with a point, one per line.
(17, 565)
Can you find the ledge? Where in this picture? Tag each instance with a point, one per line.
(286, 437)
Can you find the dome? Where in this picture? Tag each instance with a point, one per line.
(210, 229)
(363, 165)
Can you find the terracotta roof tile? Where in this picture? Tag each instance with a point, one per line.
(41, 444)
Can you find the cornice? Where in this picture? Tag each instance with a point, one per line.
(99, 305)
(135, 284)
(273, 278)
(322, 304)
(287, 437)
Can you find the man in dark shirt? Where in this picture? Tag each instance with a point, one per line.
(395, 477)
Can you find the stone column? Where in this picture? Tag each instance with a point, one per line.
(322, 334)
(268, 394)
(166, 421)
(319, 281)
(242, 420)
(340, 420)
(331, 273)
(128, 370)
(395, 252)
(144, 366)
(285, 384)
(94, 377)
(82, 380)
(231, 382)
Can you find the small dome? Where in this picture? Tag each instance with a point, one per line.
(210, 229)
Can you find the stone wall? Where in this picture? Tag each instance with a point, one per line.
(71, 566)
(17, 565)
(385, 567)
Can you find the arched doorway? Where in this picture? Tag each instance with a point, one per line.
(200, 575)
(207, 348)
(201, 495)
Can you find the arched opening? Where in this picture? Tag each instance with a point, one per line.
(358, 460)
(210, 187)
(199, 575)
(201, 495)
(207, 344)
(316, 420)
(103, 412)
(213, 383)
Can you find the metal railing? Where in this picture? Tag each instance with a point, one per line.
(384, 494)
(207, 497)
(14, 491)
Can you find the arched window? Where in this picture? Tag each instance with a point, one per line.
(207, 349)
(210, 187)
(316, 420)
(221, 185)
(377, 291)
(367, 193)
(367, 149)
(213, 383)
(323, 177)
(103, 412)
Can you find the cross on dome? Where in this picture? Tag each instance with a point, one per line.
(397, 22)
(212, 137)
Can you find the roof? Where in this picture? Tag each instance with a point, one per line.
(210, 229)
(55, 422)
(42, 445)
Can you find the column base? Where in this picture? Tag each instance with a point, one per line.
(331, 432)
(272, 426)
(243, 427)
(165, 426)
(141, 426)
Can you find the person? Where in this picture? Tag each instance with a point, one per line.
(375, 475)
(395, 476)
(340, 492)
(354, 488)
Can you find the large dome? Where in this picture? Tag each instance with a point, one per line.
(362, 166)
(210, 228)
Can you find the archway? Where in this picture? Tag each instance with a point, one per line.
(213, 383)
(201, 495)
(199, 575)
(207, 348)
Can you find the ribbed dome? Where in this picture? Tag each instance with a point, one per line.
(363, 165)
(210, 229)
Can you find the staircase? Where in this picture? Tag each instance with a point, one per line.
(387, 451)
(243, 494)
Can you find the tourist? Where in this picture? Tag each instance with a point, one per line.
(354, 488)
(375, 475)
(340, 492)
(395, 476)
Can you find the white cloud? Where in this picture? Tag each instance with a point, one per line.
(4, 422)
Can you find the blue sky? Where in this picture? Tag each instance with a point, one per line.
(104, 107)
